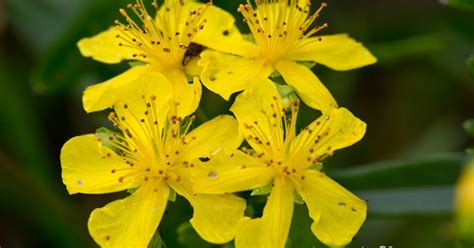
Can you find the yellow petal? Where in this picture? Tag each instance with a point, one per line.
(101, 96)
(334, 130)
(221, 34)
(186, 95)
(271, 230)
(104, 47)
(258, 111)
(215, 217)
(231, 172)
(209, 138)
(306, 84)
(89, 167)
(191, 66)
(226, 74)
(338, 52)
(130, 222)
(336, 212)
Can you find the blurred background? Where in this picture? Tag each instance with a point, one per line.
(414, 100)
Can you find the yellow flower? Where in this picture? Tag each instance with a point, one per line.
(162, 43)
(282, 31)
(155, 154)
(287, 161)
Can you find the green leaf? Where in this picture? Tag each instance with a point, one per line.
(469, 126)
(62, 66)
(41, 22)
(265, 190)
(156, 241)
(107, 137)
(411, 201)
(392, 51)
(289, 243)
(136, 63)
(435, 170)
(32, 192)
(188, 237)
(470, 150)
(406, 187)
(462, 4)
(172, 196)
(298, 199)
(284, 89)
(470, 64)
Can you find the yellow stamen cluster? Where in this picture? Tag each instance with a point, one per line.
(163, 39)
(278, 148)
(278, 24)
(145, 142)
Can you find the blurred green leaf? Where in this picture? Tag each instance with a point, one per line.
(470, 64)
(28, 202)
(289, 243)
(470, 150)
(42, 21)
(32, 192)
(409, 201)
(188, 237)
(392, 51)
(435, 170)
(300, 230)
(469, 126)
(62, 65)
(462, 4)
(407, 187)
(156, 241)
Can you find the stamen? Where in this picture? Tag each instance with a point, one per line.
(278, 25)
(163, 31)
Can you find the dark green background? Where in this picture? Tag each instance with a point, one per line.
(414, 101)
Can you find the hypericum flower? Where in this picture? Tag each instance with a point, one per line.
(162, 43)
(153, 155)
(282, 30)
(287, 162)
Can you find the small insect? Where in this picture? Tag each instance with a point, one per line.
(192, 51)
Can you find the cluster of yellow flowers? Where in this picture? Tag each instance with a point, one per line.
(155, 153)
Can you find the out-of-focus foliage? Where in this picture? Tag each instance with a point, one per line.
(462, 4)
(469, 126)
(470, 64)
(407, 187)
(464, 203)
(414, 101)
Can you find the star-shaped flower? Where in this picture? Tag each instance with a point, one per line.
(165, 43)
(282, 32)
(290, 164)
(153, 154)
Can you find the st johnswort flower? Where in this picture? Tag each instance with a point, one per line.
(290, 164)
(162, 43)
(153, 154)
(283, 33)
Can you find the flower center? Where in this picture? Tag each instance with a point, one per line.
(272, 146)
(162, 40)
(277, 25)
(150, 141)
